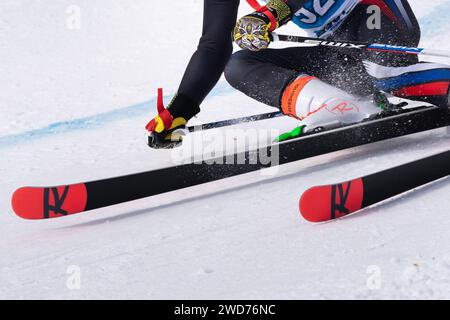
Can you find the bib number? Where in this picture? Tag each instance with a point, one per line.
(319, 9)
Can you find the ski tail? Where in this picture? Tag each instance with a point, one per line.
(46, 203)
(324, 203)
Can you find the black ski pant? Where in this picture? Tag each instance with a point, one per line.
(214, 50)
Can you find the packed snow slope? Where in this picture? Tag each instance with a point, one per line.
(78, 83)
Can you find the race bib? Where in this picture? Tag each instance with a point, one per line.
(319, 16)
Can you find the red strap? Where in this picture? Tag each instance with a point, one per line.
(273, 21)
(255, 5)
(163, 113)
(160, 104)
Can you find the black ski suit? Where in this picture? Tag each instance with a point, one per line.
(214, 50)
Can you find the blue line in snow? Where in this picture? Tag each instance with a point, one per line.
(95, 121)
(76, 124)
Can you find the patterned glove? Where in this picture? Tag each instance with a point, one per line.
(253, 31)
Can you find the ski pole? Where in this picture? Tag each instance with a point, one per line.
(361, 46)
(325, 203)
(230, 122)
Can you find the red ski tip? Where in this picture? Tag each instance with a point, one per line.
(325, 203)
(45, 203)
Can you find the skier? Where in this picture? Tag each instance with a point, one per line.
(325, 86)
(320, 86)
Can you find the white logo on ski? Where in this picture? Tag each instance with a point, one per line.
(336, 44)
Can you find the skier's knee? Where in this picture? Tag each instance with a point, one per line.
(235, 69)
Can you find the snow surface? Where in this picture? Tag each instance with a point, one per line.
(73, 104)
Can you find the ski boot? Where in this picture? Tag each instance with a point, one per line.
(320, 106)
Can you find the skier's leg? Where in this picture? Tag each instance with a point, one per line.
(264, 75)
(269, 75)
(305, 83)
(214, 50)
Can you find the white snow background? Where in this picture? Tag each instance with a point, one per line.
(73, 106)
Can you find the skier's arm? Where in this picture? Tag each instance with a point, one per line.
(253, 30)
(214, 50)
(204, 70)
